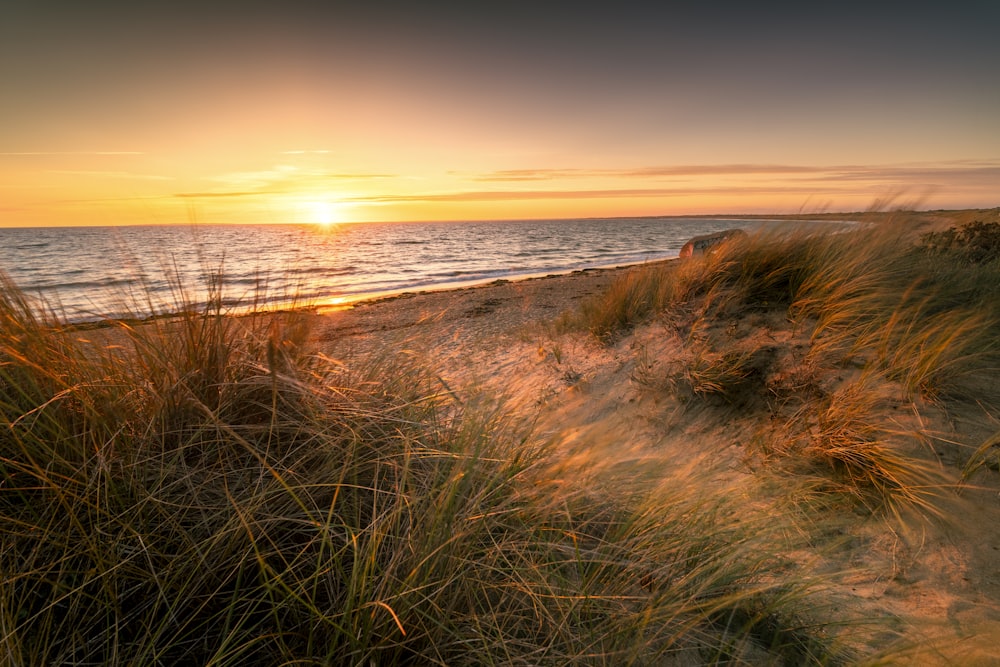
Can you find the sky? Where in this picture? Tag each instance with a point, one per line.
(114, 113)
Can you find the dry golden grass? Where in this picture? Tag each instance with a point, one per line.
(911, 311)
(208, 490)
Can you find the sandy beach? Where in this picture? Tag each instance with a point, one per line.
(933, 579)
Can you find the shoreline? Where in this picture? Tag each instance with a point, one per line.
(337, 303)
(924, 218)
(390, 295)
(364, 300)
(331, 276)
(465, 321)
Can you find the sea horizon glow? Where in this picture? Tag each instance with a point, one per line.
(249, 115)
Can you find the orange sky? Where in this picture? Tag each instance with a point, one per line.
(270, 115)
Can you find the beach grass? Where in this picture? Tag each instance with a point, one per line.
(889, 312)
(210, 489)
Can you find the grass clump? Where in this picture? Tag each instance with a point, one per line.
(628, 300)
(734, 377)
(206, 489)
(756, 272)
(867, 458)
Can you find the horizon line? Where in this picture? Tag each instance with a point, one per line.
(717, 215)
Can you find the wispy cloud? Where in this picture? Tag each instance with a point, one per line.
(900, 172)
(217, 195)
(509, 175)
(646, 172)
(43, 153)
(980, 173)
(734, 180)
(289, 177)
(260, 178)
(513, 195)
(357, 177)
(724, 181)
(112, 174)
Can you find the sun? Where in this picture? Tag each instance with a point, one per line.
(323, 212)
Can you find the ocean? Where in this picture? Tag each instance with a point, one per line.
(94, 273)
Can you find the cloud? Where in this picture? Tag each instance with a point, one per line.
(513, 195)
(357, 177)
(279, 180)
(217, 195)
(43, 153)
(261, 178)
(290, 178)
(905, 172)
(734, 180)
(112, 174)
(506, 175)
(966, 172)
(647, 172)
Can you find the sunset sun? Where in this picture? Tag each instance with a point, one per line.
(322, 212)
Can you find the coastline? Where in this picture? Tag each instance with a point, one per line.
(338, 303)
(486, 315)
(370, 320)
(278, 267)
(544, 294)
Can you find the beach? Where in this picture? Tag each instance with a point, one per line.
(769, 453)
(931, 577)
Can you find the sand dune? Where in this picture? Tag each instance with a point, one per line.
(930, 576)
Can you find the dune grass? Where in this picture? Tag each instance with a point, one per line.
(208, 489)
(918, 315)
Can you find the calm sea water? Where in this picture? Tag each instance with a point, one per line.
(96, 272)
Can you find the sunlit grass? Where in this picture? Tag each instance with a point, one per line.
(914, 315)
(209, 489)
